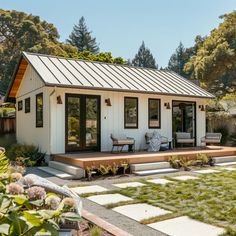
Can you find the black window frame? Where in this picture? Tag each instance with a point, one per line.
(137, 111)
(27, 105)
(20, 105)
(159, 113)
(39, 123)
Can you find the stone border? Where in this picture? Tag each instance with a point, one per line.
(104, 224)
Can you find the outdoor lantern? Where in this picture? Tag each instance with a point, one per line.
(202, 107)
(108, 102)
(167, 105)
(59, 101)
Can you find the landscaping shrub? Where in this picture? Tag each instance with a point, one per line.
(7, 140)
(27, 155)
(95, 231)
(107, 169)
(174, 162)
(4, 163)
(225, 133)
(203, 159)
(178, 162)
(29, 210)
(233, 138)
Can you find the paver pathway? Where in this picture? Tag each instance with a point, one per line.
(129, 184)
(106, 199)
(207, 171)
(184, 226)
(184, 177)
(140, 211)
(160, 181)
(229, 168)
(89, 189)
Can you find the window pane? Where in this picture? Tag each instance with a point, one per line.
(73, 122)
(91, 122)
(20, 105)
(39, 110)
(154, 113)
(131, 112)
(27, 105)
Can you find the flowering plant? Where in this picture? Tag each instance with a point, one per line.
(30, 210)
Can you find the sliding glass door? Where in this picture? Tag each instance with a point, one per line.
(184, 117)
(82, 122)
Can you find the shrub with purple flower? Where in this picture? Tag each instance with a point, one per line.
(36, 193)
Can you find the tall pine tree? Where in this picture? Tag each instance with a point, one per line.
(144, 58)
(82, 39)
(178, 60)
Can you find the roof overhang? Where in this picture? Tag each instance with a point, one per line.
(16, 79)
(124, 91)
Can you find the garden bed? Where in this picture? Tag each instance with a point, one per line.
(89, 229)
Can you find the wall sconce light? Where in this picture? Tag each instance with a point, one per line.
(201, 107)
(59, 101)
(167, 105)
(108, 102)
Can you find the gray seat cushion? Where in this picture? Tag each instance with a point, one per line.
(185, 140)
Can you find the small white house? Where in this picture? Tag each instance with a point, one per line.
(66, 105)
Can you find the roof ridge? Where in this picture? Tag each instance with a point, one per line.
(99, 62)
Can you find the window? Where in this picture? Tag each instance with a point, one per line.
(131, 112)
(27, 105)
(20, 105)
(39, 110)
(154, 118)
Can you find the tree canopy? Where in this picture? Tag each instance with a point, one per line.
(214, 61)
(82, 39)
(24, 32)
(178, 60)
(144, 58)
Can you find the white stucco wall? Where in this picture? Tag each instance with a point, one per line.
(26, 131)
(51, 137)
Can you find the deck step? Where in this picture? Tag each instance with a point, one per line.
(156, 171)
(149, 166)
(57, 173)
(70, 169)
(224, 159)
(226, 163)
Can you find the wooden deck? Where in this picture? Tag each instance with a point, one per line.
(96, 158)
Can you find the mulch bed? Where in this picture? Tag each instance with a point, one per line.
(85, 227)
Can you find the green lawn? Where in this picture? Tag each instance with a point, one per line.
(211, 198)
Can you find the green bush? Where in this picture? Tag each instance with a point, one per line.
(95, 231)
(225, 133)
(233, 138)
(29, 155)
(7, 140)
(4, 163)
(203, 158)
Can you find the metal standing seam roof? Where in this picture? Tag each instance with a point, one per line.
(67, 72)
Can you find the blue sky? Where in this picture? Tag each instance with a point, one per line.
(120, 26)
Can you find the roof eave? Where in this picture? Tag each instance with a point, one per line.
(7, 98)
(125, 90)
